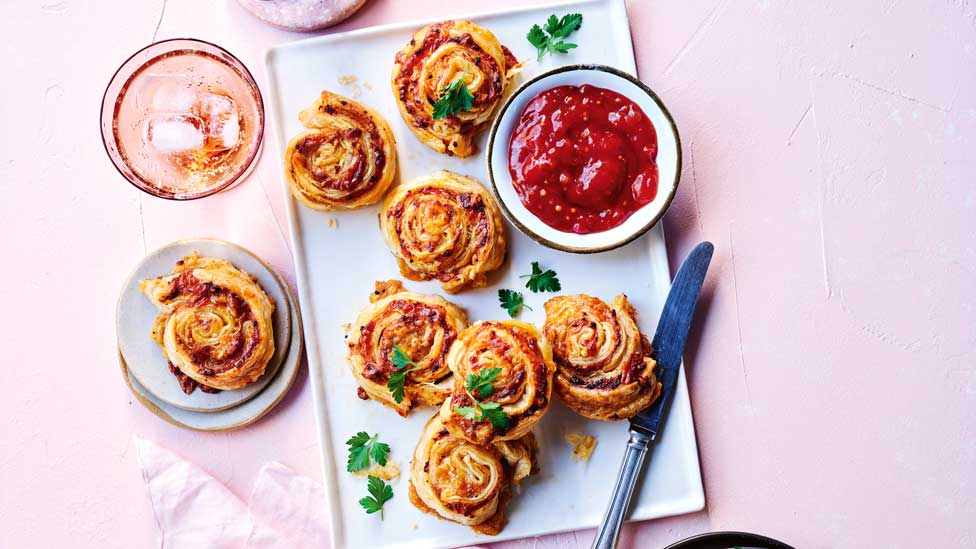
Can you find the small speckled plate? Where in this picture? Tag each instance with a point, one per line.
(135, 316)
(238, 416)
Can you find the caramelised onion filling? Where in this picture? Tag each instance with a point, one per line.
(605, 368)
(213, 325)
(420, 329)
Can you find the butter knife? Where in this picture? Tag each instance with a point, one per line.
(669, 344)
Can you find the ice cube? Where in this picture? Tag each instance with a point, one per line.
(162, 93)
(175, 133)
(221, 119)
(174, 99)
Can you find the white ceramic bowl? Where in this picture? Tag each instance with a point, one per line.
(668, 158)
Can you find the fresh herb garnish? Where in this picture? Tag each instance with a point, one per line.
(492, 411)
(397, 379)
(557, 29)
(511, 301)
(400, 358)
(381, 493)
(362, 448)
(482, 382)
(542, 281)
(453, 98)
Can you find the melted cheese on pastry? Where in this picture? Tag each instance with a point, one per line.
(446, 227)
(522, 388)
(423, 326)
(467, 483)
(437, 56)
(214, 323)
(345, 158)
(604, 365)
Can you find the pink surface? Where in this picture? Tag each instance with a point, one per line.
(828, 155)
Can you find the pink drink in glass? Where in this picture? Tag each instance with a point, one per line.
(185, 117)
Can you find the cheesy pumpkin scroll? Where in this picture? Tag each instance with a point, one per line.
(444, 227)
(346, 157)
(215, 322)
(422, 327)
(502, 381)
(436, 58)
(604, 368)
(467, 483)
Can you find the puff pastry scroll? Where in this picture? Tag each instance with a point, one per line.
(423, 326)
(437, 56)
(345, 158)
(446, 227)
(468, 483)
(604, 368)
(522, 388)
(214, 323)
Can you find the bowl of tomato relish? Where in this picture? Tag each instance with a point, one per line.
(584, 158)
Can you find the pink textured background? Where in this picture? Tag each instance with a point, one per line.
(829, 156)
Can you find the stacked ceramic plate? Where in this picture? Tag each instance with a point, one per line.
(169, 393)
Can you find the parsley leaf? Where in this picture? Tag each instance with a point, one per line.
(563, 47)
(492, 411)
(397, 379)
(453, 98)
(569, 24)
(468, 412)
(362, 448)
(381, 493)
(552, 24)
(380, 452)
(482, 381)
(557, 29)
(542, 281)
(400, 358)
(511, 301)
(538, 39)
(395, 385)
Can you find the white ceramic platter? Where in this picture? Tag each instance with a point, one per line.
(337, 264)
(135, 317)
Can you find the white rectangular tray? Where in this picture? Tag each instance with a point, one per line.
(337, 266)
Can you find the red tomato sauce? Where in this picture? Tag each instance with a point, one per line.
(582, 158)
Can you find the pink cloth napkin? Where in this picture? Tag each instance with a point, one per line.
(193, 509)
(288, 510)
(285, 509)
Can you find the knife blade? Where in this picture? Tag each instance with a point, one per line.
(672, 333)
(669, 344)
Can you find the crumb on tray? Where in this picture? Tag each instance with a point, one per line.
(387, 472)
(583, 446)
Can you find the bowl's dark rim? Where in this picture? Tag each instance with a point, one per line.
(148, 188)
(723, 540)
(584, 67)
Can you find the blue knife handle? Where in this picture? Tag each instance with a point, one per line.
(606, 537)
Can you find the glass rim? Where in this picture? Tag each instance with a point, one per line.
(146, 186)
